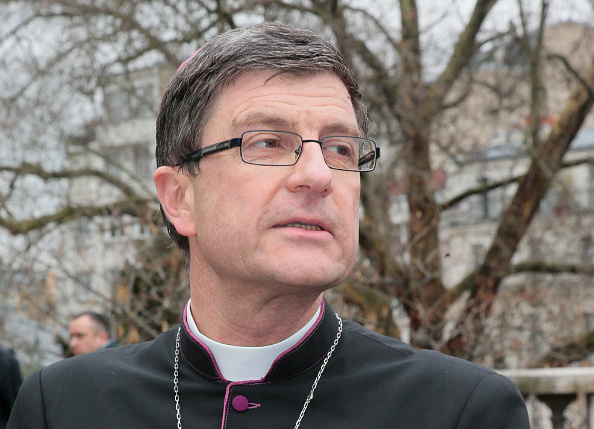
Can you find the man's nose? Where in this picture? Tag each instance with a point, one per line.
(311, 173)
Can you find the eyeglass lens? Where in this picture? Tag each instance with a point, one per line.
(284, 148)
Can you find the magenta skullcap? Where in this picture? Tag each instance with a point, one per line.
(182, 64)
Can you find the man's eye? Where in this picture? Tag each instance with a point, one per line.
(340, 149)
(266, 144)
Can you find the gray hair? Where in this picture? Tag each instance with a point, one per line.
(192, 92)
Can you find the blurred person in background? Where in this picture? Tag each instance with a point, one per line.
(89, 331)
(10, 382)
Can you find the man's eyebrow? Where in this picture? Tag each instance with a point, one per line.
(340, 128)
(259, 120)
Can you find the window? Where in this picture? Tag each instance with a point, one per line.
(129, 103)
(141, 102)
(587, 249)
(143, 162)
(478, 254)
(116, 227)
(82, 226)
(591, 188)
(116, 104)
(115, 158)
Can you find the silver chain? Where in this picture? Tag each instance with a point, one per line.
(307, 401)
(315, 383)
(175, 380)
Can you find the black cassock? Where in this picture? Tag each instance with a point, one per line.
(371, 381)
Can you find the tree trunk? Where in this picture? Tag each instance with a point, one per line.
(546, 161)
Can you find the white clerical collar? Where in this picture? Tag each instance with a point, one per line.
(238, 363)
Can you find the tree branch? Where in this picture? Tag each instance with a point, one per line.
(502, 183)
(25, 169)
(463, 52)
(137, 208)
(574, 72)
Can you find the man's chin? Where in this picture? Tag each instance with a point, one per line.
(313, 271)
(312, 280)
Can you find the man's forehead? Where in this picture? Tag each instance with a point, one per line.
(258, 91)
(78, 329)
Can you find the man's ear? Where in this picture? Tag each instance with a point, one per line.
(175, 195)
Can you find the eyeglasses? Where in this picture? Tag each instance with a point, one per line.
(283, 148)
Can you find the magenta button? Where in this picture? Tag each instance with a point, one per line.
(240, 403)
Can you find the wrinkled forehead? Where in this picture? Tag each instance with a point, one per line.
(285, 102)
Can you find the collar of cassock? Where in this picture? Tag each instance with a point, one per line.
(301, 354)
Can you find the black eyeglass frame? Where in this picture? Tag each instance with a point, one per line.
(197, 155)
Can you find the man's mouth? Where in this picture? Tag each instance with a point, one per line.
(306, 226)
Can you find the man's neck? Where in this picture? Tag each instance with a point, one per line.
(251, 322)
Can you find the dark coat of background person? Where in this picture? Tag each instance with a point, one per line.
(10, 382)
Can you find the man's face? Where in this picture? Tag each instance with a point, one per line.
(292, 227)
(84, 337)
